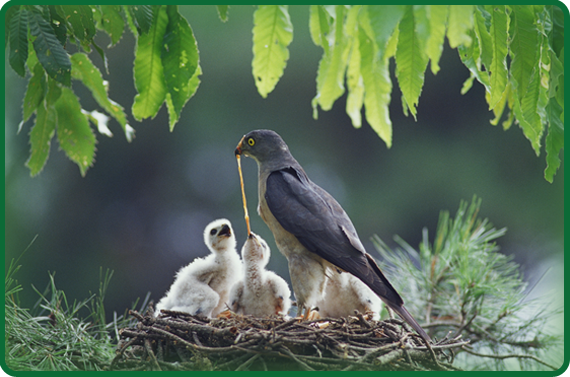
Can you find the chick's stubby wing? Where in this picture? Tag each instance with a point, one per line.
(320, 224)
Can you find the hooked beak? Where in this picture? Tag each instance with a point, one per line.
(225, 231)
(238, 148)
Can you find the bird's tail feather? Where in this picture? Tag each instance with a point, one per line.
(403, 312)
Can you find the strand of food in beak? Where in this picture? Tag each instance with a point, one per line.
(246, 214)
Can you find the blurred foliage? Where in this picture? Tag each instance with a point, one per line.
(357, 41)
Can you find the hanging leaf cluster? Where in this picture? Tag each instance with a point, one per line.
(38, 38)
(516, 52)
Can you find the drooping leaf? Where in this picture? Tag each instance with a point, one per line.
(524, 47)
(332, 67)
(81, 19)
(180, 59)
(319, 26)
(58, 24)
(142, 16)
(148, 69)
(272, 34)
(35, 92)
(437, 15)
(7, 21)
(498, 69)
(527, 115)
(19, 41)
(354, 83)
(40, 138)
(112, 22)
(223, 12)
(554, 139)
(460, 22)
(481, 27)
(74, 134)
(470, 56)
(383, 20)
(53, 92)
(49, 51)
(377, 88)
(85, 71)
(411, 61)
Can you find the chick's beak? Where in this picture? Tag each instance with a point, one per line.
(225, 231)
(238, 148)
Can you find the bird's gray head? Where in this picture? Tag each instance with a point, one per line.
(255, 251)
(264, 146)
(219, 236)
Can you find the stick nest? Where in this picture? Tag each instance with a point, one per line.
(179, 341)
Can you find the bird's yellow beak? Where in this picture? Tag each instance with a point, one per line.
(238, 148)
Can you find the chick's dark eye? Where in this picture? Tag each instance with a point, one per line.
(212, 232)
(251, 142)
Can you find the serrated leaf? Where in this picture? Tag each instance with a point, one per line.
(470, 57)
(19, 41)
(554, 139)
(459, 25)
(49, 51)
(411, 61)
(272, 34)
(332, 67)
(383, 20)
(129, 16)
(142, 17)
(524, 47)
(74, 134)
(149, 71)
(498, 69)
(180, 59)
(85, 71)
(377, 88)
(481, 27)
(354, 83)
(437, 15)
(192, 87)
(40, 138)
(223, 12)
(7, 20)
(527, 114)
(500, 107)
(112, 22)
(35, 92)
(53, 92)
(81, 19)
(58, 24)
(319, 26)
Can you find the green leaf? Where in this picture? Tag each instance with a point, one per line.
(354, 82)
(49, 51)
(524, 47)
(73, 131)
(81, 19)
(180, 59)
(319, 26)
(112, 22)
(554, 139)
(383, 21)
(40, 138)
(143, 17)
(411, 61)
(498, 69)
(10, 11)
(272, 33)
(149, 71)
(460, 22)
(470, 56)
(481, 28)
(58, 24)
(19, 41)
(527, 113)
(437, 15)
(223, 12)
(330, 75)
(377, 88)
(85, 71)
(35, 92)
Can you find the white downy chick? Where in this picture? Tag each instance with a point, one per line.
(345, 293)
(261, 292)
(203, 286)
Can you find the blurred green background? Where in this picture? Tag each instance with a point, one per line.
(142, 208)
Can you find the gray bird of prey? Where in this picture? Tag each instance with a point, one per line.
(310, 228)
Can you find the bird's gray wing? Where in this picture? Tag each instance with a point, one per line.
(321, 225)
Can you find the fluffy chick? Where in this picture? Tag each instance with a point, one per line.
(345, 293)
(203, 286)
(261, 292)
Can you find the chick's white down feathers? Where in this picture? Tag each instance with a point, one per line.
(203, 286)
(261, 292)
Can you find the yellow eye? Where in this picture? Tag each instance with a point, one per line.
(251, 142)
